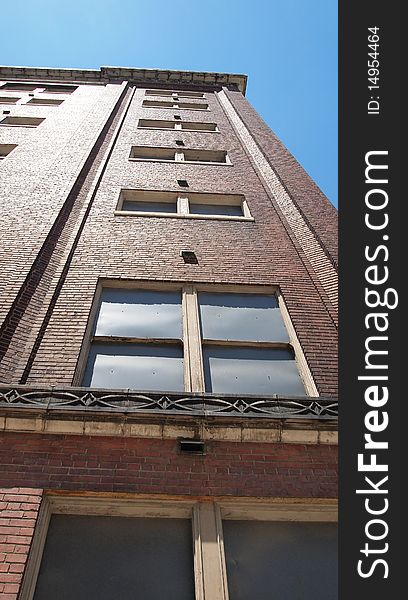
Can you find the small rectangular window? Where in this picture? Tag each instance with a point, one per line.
(58, 89)
(179, 155)
(147, 202)
(45, 101)
(19, 87)
(8, 100)
(174, 104)
(173, 93)
(184, 125)
(149, 153)
(49, 88)
(22, 121)
(186, 204)
(5, 150)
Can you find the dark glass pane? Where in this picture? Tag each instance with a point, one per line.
(260, 371)
(162, 207)
(281, 561)
(116, 558)
(245, 317)
(139, 313)
(216, 209)
(135, 366)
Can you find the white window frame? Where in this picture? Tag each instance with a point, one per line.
(178, 126)
(207, 515)
(179, 156)
(179, 105)
(39, 88)
(176, 94)
(191, 331)
(182, 200)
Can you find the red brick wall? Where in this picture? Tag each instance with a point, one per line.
(18, 513)
(148, 248)
(114, 464)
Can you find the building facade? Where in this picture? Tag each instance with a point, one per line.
(168, 344)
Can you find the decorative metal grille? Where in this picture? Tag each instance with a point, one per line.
(128, 401)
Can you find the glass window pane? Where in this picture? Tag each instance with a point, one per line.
(260, 371)
(245, 317)
(162, 207)
(135, 366)
(216, 209)
(139, 313)
(281, 561)
(112, 558)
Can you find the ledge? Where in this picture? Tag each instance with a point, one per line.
(141, 77)
(85, 411)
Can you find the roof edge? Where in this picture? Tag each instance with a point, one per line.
(139, 76)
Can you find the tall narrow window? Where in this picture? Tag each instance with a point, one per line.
(137, 341)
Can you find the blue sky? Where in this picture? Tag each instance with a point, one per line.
(288, 48)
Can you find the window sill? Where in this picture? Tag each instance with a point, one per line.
(176, 130)
(181, 162)
(129, 213)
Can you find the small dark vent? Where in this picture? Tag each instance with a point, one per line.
(182, 182)
(180, 143)
(177, 117)
(191, 446)
(189, 257)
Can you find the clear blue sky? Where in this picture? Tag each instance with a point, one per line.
(288, 48)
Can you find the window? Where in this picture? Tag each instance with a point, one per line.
(180, 125)
(137, 341)
(179, 155)
(5, 150)
(172, 94)
(241, 548)
(22, 121)
(45, 101)
(296, 560)
(109, 557)
(246, 346)
(8, 100)
(48, 88)
(183, 204)
(174, 104)
(191, 339)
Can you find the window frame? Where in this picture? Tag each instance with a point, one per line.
(6, 150)
(192, 342)
(207, 516)
(178, 126)
(179, 156)
(3, 122)
(182, 201)
(172, 93)
(173, 105)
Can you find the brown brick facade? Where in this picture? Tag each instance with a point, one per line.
(60, 238)
(153, 466)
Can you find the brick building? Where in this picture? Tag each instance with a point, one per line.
(168, 311)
